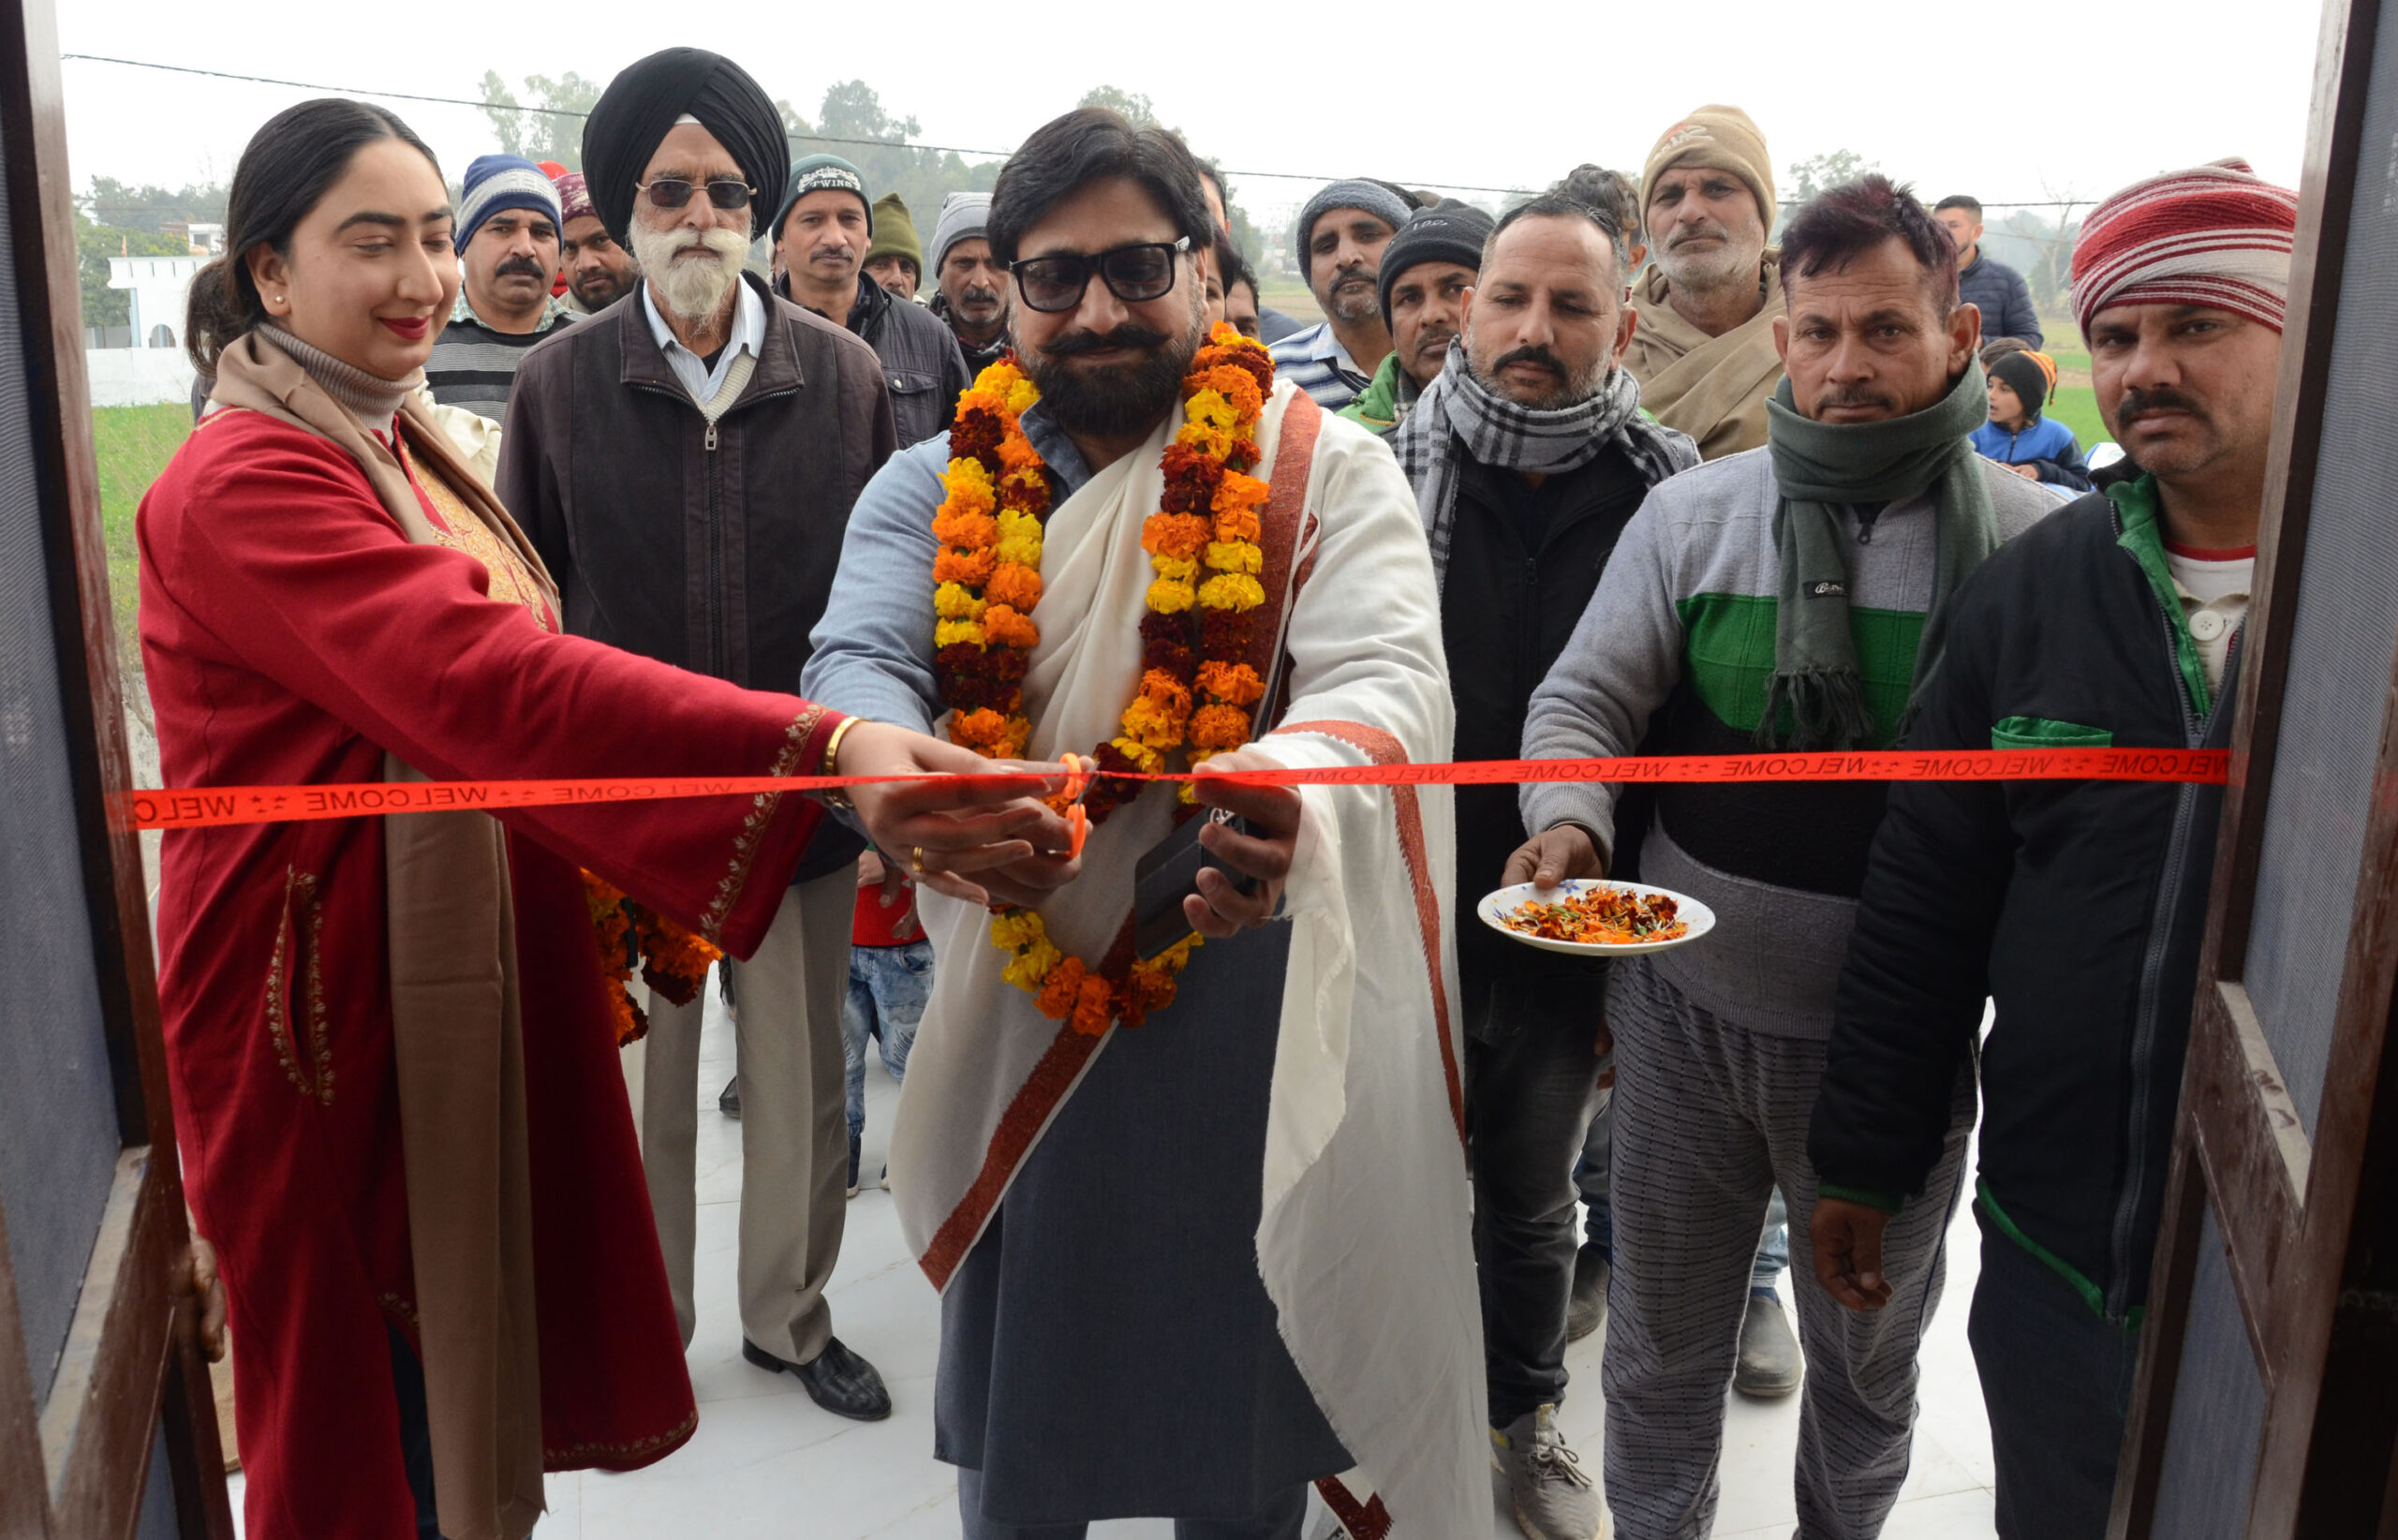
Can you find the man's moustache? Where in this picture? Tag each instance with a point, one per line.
(2140, 403)
(1534, 354)
(1700, 233)
(1851, 396)
(525, 266)
(977, 296)
(1127, 336)
(1433, 337)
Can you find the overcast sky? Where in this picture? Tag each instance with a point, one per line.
(2009, 104)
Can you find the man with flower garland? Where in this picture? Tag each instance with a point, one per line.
(1530, 453)
(1198, 1216)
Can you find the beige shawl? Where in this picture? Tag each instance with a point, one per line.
(456, 1035)
(1713, 389)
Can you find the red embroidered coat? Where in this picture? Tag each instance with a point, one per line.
(292, 634)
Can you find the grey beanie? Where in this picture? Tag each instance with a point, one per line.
(1357, 193)
(964, 217)
(1449, 232)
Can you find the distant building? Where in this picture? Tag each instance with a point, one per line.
(158, 290)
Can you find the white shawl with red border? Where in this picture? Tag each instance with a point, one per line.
(1364, 1242)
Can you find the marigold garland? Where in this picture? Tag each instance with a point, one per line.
(1196, 693)
(672, 961)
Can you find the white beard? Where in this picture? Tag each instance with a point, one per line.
(689, 287)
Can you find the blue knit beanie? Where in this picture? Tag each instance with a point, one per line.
(503, 182)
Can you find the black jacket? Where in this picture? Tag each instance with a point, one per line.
(710, 547)
(2077, 905)
(1523, 563)
(920, 362)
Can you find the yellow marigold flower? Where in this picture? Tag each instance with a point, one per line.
(1031, 966)
(948, 633)
(1234, 556)
(1021, 393)
(1153, 722)
(1216, 443)
(1235, 591)
(1147, 759)
(1168, 597)
(1211, 408)
(1015, 928)
(953, 603)
(1175, 569)
(1021, 553)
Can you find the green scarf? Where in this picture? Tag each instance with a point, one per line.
(1822, 468)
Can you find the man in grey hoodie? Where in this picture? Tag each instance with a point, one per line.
(1792, 597)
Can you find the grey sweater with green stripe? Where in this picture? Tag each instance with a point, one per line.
(1674, 655)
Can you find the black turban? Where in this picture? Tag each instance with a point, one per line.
(642, 103)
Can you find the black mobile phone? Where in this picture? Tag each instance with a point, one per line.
(1169, 873)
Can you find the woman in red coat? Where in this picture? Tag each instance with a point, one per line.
(394, 1069)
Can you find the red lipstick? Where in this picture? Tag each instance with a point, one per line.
(409, 330)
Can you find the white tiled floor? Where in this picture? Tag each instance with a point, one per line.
(767, 1464)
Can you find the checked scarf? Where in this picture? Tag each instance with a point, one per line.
(1457, 414)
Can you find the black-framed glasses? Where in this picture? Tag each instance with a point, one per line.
(673, 192)
(1132, 273)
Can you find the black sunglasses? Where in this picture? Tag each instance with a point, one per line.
(1132, 273)
(673, 192)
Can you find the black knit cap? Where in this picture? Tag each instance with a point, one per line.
(643, 101)
(2026, 379)
(1446, 233)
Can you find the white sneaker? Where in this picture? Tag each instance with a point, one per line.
(1553, 1499)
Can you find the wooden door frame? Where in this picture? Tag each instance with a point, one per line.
(132, 1355)
(2287, 1205)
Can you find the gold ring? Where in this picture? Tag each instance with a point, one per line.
(916, 860)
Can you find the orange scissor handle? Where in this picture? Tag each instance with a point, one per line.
(1078, 772)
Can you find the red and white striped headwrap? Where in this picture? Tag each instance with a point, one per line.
(2216, 235)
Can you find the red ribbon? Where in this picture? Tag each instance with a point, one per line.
(201, 807)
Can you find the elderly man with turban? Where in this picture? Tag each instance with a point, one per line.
(685, 463)
(2080, 908)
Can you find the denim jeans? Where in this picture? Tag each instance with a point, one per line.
(1598, 1223)
(888, 987)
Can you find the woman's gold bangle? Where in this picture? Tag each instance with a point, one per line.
(835, 796)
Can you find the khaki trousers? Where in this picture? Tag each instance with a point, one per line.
(794, 1132)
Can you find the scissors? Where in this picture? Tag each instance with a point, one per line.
(1079, 769)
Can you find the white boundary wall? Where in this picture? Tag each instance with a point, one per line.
(138, 377)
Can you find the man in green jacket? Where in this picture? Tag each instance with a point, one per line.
(1427, 268)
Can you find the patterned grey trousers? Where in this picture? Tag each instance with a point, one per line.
(1708, 1119)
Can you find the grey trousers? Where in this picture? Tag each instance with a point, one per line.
(1282, 1520)
(794, 1132)
(1709, 1119)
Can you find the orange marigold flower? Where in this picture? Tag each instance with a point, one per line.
(1015, 586)
(1215, 728)
(1094, 1006)
(1235, 684)
(1061, 989)
(1173, 534)
(1166, 691)
(970, 567)
(967, 531)
(978, 730)
(1238, 493)
(1016, 455)
(1003, 627)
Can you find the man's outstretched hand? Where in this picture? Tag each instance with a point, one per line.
(1848, 1252)
(1553, 855)
(963, 832)
(1219, 910)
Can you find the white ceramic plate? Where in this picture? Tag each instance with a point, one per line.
(1697, 916)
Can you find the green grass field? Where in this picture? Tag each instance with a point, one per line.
(2077, 404)
(133, 445)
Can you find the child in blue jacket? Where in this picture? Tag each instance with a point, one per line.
(2017, 436)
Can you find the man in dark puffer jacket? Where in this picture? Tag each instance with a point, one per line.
(2079, 906)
